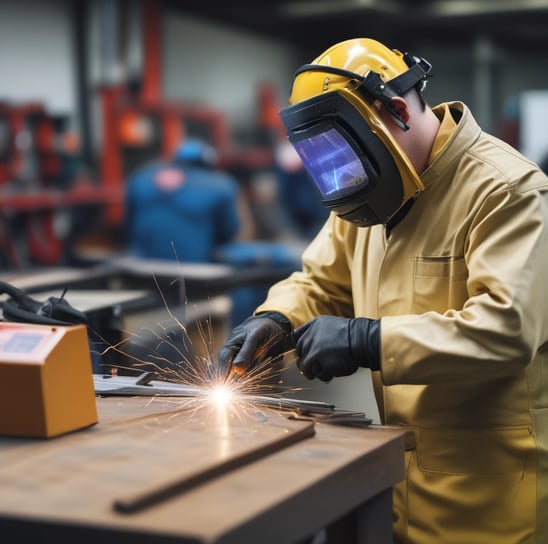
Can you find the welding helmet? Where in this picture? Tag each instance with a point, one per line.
(359, 170)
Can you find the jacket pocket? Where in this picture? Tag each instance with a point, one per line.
(474, 451)
(439, 283)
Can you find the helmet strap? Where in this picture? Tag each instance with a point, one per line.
(417, 72)
(371, 87)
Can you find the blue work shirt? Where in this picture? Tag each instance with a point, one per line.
(180, 213)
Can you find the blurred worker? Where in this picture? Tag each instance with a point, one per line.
(431, 272)
(302, 214)
(183, 209)
(189, 211)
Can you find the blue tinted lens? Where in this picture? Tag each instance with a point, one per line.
(332, 163)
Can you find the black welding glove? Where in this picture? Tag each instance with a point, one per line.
(259, 337)
(330, 346)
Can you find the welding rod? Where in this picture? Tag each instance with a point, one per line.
(158, 493)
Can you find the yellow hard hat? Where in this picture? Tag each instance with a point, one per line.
(357, 56)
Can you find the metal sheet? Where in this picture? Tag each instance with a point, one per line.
(107, 385)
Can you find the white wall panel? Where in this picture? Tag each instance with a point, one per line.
(217, 65)
(36, 51)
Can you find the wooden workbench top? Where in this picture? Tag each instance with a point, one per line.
(141, 443)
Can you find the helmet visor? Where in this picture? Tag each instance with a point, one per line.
(332, 164)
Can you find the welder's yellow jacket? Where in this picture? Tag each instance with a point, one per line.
(461, 287)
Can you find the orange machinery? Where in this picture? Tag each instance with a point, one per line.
(39, 181)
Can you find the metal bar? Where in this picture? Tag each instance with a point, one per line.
(163, 491)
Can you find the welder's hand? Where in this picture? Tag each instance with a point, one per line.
(330, 346)
(257, 338)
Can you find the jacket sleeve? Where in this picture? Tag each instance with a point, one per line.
(323, 286)
(503, 322)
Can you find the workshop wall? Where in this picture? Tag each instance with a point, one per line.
(217, 65)
(484, 76)
(36, 59)
(206, 63)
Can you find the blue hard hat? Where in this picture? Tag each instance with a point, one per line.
(196, 151)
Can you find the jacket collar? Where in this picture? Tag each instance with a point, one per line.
(465, 134)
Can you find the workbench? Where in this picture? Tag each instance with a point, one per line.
(323, 477)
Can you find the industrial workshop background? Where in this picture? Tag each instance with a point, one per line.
(91, 89)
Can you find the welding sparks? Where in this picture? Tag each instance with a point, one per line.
(166, 351)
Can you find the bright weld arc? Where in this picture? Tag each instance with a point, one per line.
(221, 395)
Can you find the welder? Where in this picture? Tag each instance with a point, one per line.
(430, 271)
